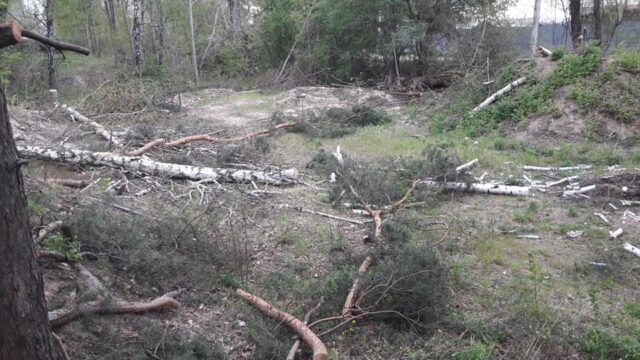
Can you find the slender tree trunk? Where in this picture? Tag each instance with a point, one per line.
(576, 23)
(535, 28)
(194, 57)
(138, 36)
(51, 66)
(234, 16)
(112, 21)
(159, 28)
(125, 21)
(25, 332)
(597, 20)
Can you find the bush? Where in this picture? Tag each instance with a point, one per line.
(628, 60)
(337, 122)
(603, 345)
(557, 54)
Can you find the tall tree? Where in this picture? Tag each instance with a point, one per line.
(576, 22)
(50, 31)
(137, 35)
(25, 332)
(234, 16)
(597, 20)
(194, 57)
(535, 27)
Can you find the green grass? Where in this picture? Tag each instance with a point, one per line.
(628, 59)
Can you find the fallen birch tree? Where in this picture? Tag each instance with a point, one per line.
(155, 168)
(499, 94)
(632, 249)
(494, 189)
(97, 128)
(556, 168)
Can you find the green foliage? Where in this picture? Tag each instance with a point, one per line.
(475, 351)
(557, 54)
(603, 345)
(585, 95)
(58, 243)
(396, 230)
(628, 59)
(633, 309)
(337, 122)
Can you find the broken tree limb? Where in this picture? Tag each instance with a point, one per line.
(347, 309)
(556, 168)
(97, 128)
(467, 166)
(204, 137)
(302, 330)
(544, 51)
(561, 181)
(296, 345)
(46, 230)
(64, 316)
(335, 217)
(150, 167)
(68, 182)
(481, 188)
(615, 234)
(499, 94)
(580, 191)
(632, 249)
(11, 34)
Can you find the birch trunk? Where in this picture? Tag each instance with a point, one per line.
(499, 94)
(138, 36)
(150, 167)
(534, 30)
(194, 56)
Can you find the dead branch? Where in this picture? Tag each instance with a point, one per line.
(68, 182)
(481, 188)
(556, 168)
(97, 128)
(347, 309)
(297, 343)
(544, 51)
(302, 330)
(151, 167)
(467, 166)
(499, 94)
(205, 137)
(46, 230)
(580, 191)
(632, 249)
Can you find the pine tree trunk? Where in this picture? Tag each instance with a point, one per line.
(138, 36)
(25, 332)
(576, 23)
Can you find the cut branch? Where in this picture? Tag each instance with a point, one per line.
(205, 137)
(97, 128)
(499, 94)
(544, 51)
(580, 191)
(63, 316)
(632, 249)
(556, 168)
(467, 166)
(69, 182)
(302, 330)
(347, 309)
(11, 34)
(307, 317)
(46, 230)
(150, 167)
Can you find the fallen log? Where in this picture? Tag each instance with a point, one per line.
(632, 249)
(302, 330)
(580, 191)
(296, 345)
(155, 168)
(615, 234)
(544, 51)
(557, 168)
(347, 309)
(494, 189)
(68, 182)
(204, 137)
(97, 128)
(467, 166)
(46, 230)
(63, 316)
(499, 94)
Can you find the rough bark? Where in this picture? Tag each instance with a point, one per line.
(150, 167)
(499, 94)
(319, 350)
(533, 45)
(25, 332)
(576, 23)
(597, 20)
